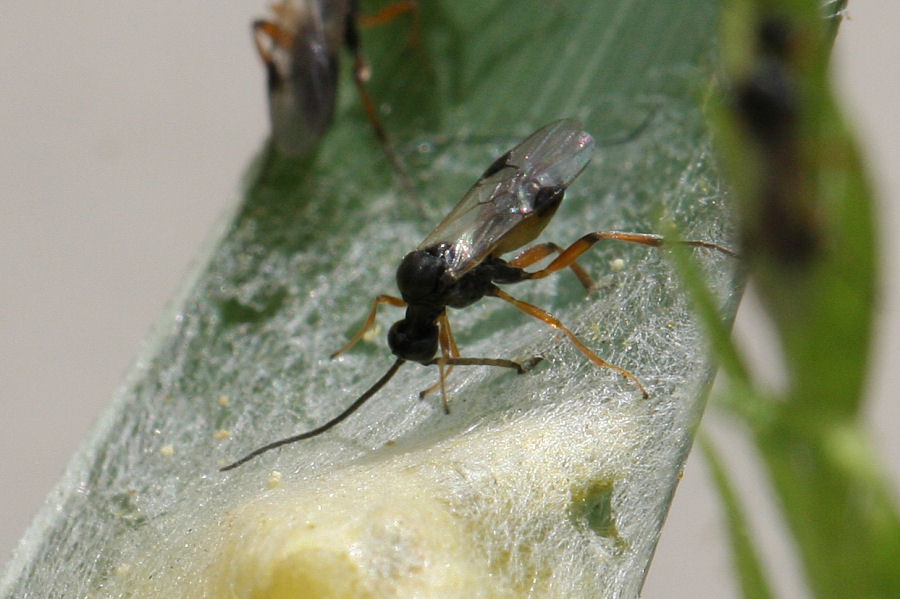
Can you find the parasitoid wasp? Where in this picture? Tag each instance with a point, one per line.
(460, 262)
(300, 48)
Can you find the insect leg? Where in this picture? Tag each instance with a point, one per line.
(370, 320)
(449, 349)
(391, 12)
(571, 253)
(450, 357)
(451, 361)
(442, 362)
(541, 251)
(519, 367)
(277, 35)
(361, 74)
(557, 324)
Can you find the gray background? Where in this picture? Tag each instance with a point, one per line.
(125, 129)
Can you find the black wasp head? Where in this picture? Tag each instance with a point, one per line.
(419, 275)
(415, 340)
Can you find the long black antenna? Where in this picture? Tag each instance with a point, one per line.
(321, 429)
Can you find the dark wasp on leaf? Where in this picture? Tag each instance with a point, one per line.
(460, 261)
(300, 47)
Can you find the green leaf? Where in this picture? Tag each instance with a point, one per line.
(809, 226)
(752, 578)
(554, 483)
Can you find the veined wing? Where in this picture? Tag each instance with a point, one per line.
(504, 196)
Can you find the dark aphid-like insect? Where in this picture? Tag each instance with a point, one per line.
(460, 261)
(300, 48)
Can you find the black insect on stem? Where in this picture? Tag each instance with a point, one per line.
(783, 220)
(460, 262)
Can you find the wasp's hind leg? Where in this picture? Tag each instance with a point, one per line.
(539, 252)
(554, 322)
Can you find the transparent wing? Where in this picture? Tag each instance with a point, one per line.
(306, 41)
(314, 73)
(504, 196)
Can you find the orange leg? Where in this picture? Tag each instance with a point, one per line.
(370, 320)
(391, 12)
(452, 361)
(277, 35)
(449, 349)
(519, 367)
(571, 253)
(360, 76)
(541, 251)
(557, 324)
(450, 357)
(361, 73)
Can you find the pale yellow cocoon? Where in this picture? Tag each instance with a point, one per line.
(369, 536)
(521, 508)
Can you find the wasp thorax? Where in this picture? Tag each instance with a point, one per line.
(419, 275)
